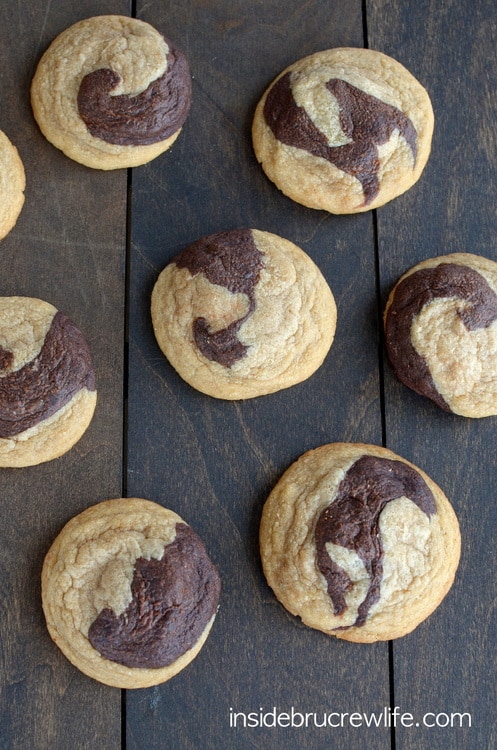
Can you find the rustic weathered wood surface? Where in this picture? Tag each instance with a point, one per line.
(93, 243)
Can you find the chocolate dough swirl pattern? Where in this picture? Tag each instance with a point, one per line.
(47, 383)
(364, 118)
(232, 260)
(352, 521)
(411, 295)
(173, 601)
(148, 117)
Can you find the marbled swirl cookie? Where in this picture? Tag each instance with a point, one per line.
(243, 313)
(129, 592)
(47, 382)
(344, 130)
(12, 184)
(441, 332)
(358, 542)
(111, 92)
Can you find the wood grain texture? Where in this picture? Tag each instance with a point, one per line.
(448, 664)
(67, 248)
(214, 462)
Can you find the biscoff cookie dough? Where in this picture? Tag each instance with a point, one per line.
(129, 592)
(243, 313)
(344, 130)
(358, 542)
(111, 92)
(12, 185)
(441, 332)
(47, 382)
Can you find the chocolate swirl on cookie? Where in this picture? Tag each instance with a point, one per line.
(364, 118)
(148, 117)
(479, 310)
(232, 260)
(173, 601)
(47, 383)
(6, 359)
(352, 521)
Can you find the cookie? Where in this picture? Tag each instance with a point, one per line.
(243, 313)
(47, 382)
(111, 92)
(129, 592)
(441, 332)
(358, 542)
(344, 130)
(12, 185)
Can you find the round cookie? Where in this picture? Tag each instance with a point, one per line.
(111, 92)
(129, 592)
(344, 130)
(441, 332)
(243, 313)
(358, 542)
(47, 382)
(12, 185)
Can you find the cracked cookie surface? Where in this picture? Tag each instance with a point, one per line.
(358, 542)
(441, 332)
(129, 592)
(344, 130)
(111, 92)
(12, 185)
(243, 313)
(47, 382)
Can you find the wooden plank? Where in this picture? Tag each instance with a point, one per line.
(214, 462)
(67, 248)
(448, 665)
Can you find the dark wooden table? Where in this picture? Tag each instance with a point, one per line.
(93, 243)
